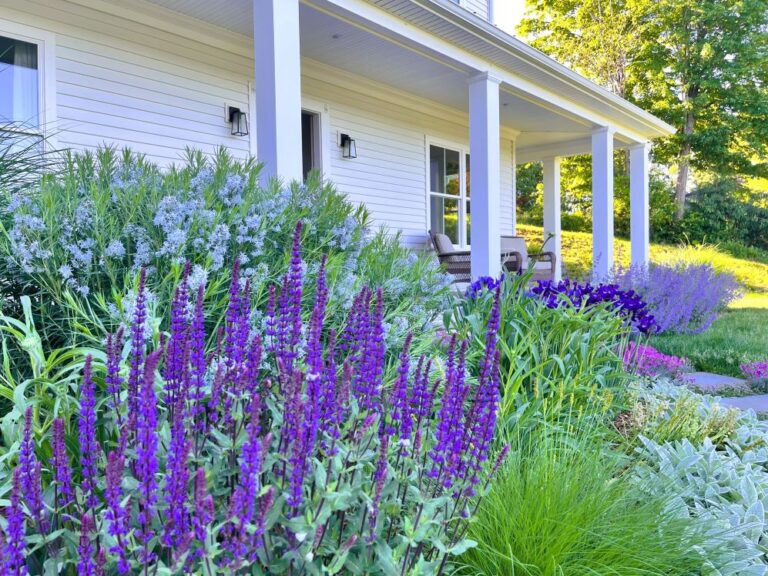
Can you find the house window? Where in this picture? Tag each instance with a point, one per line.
(449, 206)
(310, 142)
(19, 83)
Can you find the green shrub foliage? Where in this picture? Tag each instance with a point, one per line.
(75, 245)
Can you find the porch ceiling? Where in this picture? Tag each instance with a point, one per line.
(355, 47)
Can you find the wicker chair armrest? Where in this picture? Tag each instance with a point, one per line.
(513, 261)
(544, 256)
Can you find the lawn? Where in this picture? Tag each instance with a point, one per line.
(738, 336)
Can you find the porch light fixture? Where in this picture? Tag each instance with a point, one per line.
(348, 147)
(239, 121)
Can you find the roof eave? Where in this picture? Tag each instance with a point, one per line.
(457, 15)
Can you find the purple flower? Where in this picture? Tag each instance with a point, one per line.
(176, 534)
(31, 482)
(113, 380)
(197, 364)
(379, 479)
(146, 455)
(15, 545)
(89, 448)
(204, 508)
(116, 514)
(138, 351)
(400, 410)
(174, 369)
(86, 566)
(289, 311)
(62, 473)
(483, 284)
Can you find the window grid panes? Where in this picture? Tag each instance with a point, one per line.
(19, 83)
(449, 194)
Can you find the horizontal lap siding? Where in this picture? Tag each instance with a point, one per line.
(123, 83)
(389, 174)
(479, 7)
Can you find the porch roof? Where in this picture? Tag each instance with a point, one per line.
(428, 48)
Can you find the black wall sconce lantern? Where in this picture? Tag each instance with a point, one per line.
(348, 146)
(239, 121)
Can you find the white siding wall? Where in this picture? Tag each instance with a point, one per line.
(125, 83)
(479, 7)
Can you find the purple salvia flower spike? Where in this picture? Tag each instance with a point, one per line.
(174, 367)
(204, 507)
(86, 565)
(16, 542)
(89, 448)
(399, 408)
(31, 481)
(62, 472)
(116, 514)
(146, 456)
(197, 363)
(177, 478)
(138, 352)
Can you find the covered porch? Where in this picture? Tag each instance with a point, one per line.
(509, 103)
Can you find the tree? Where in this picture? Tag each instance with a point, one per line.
(702, 65)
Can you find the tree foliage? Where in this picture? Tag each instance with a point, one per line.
(701, 65)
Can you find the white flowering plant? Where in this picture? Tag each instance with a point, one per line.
(76, 244)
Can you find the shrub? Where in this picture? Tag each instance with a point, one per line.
(683, 298)
(563, 505)
(625, 303)
(726, 211)
(551, 358)
(668, 412)
(76, 244)
(285, 451)
(725, 489)
(645, 360)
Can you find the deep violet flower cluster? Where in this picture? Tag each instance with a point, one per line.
(628, 303)
(645, 360)
(295, 450)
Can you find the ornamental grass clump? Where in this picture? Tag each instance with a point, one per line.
(683, 298)
(286, 450)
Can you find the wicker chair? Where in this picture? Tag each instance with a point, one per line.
(544, 263)
(458, 263)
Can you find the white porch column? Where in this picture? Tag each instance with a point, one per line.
(552, 211)
(514, 187)
(484, 140)
(639, 201)
(602, 202)
(278, 87)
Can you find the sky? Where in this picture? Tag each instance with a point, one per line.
(509, 13)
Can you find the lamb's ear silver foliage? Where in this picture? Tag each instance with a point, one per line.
(725, 485)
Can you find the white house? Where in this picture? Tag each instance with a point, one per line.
(420, 88)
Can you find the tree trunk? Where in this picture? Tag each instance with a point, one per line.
(683, 166)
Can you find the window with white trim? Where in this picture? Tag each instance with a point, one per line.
(20, 83)
(449, 194)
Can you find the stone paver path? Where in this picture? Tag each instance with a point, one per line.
(757, 403)
(711, 383)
